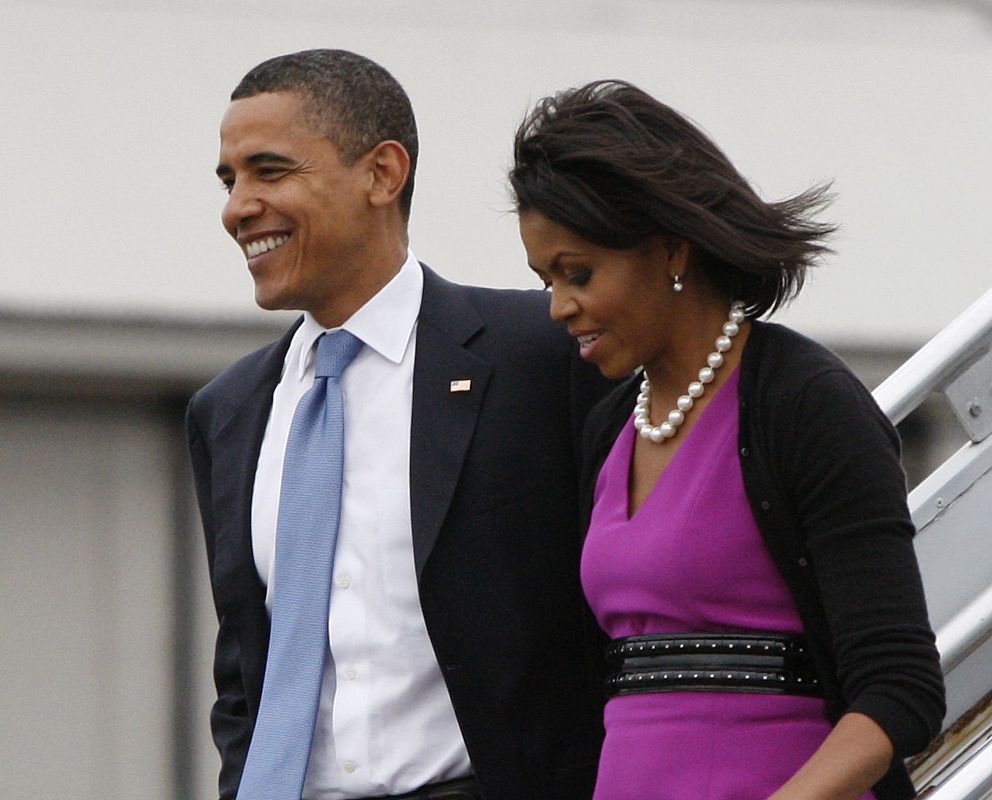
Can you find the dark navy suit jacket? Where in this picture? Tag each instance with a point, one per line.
(493, 483)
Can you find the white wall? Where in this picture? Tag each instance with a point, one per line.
(108, 201)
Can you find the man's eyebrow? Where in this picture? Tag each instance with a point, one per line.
(264, 157)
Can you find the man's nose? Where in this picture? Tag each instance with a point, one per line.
(242, 205)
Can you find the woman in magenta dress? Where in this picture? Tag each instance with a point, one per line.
(749, 550)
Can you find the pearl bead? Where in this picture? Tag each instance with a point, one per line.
(676, 417)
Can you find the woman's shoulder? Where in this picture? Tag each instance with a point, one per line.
(785, 351)
(781, 364)
(792, 384)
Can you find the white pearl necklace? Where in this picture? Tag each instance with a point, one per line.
(668, 428)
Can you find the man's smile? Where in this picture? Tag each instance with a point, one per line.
(264, 245)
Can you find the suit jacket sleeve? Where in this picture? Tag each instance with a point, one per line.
(229, 718)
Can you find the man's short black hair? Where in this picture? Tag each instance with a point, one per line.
(351, 99)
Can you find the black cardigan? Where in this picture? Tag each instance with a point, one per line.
(821, 470)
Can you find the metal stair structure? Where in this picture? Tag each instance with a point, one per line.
(952, 510)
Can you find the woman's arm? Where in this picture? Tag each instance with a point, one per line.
(851, 760)
(849, 493)
(836, 459)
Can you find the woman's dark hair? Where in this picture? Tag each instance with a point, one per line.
(617, 167)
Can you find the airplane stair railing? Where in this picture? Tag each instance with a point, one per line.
(952, 510)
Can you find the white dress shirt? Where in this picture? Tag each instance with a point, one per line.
(385, 723)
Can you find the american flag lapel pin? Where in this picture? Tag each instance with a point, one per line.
(463, 385)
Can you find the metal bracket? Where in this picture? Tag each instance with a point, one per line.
(970, 396)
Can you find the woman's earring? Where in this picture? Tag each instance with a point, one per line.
(677, 285)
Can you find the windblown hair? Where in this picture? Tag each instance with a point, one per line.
(352, 100)
(617, 167)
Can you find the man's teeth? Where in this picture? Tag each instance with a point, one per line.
(587, 339)
(260, 246)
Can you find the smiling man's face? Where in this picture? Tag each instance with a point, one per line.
(300, 214)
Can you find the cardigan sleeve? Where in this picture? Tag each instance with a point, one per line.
(849, 493)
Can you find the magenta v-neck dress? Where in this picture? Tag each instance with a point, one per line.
(692, 559)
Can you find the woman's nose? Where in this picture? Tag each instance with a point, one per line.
(563, 306)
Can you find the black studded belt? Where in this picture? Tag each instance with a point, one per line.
(765, 663)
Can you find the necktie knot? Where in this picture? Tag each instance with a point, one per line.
(335, 351)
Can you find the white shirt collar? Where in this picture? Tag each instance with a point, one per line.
(385, 323)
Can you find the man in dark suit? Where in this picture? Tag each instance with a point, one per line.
(462, 660)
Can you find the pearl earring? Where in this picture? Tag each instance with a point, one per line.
(677, 285)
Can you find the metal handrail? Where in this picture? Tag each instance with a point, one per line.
(955, 362)
(973, 781)
(968, 630)
(938, 362)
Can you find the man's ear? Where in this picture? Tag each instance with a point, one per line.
(390, 165)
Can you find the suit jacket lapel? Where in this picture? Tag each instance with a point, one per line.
(443, 421)
(442, 426)
(235, 452)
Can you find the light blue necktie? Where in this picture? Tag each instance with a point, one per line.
(307, 530)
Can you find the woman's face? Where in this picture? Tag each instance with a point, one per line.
(617, 303)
